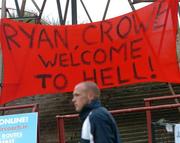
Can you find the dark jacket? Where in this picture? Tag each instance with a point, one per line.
(98, 125)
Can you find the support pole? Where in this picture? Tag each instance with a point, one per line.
(173, 93)
(3, 11)
(37, 7)
(41, 11)
(87, 13)
(106, 9)
(17, 7)
(61, 20)
(22, 8)
(74, 11)
(131, 4)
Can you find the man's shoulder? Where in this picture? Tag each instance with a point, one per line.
(100, 113)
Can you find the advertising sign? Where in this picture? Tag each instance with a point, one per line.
(177, 133)
(19, 128)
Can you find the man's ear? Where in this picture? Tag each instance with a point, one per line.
(90, 96)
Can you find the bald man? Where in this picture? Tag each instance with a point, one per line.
(99, 125)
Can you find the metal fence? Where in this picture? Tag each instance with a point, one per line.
(147, 109)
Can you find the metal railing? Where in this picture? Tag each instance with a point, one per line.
(148, 108)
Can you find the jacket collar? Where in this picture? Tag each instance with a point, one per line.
(88, 108)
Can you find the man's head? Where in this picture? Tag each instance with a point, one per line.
(84, 93)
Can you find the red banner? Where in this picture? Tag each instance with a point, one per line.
(132, 48)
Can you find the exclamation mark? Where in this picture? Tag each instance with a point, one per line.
(153, 76)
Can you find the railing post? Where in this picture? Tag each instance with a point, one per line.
(36, 109)
(149, 121)
(147, 109)
(61, 134)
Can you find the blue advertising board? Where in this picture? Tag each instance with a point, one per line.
(177, 133)
(19, 128)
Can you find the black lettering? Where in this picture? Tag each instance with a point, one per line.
(30, 35)
(150, 64)
(85, 33)
(73, 62)
(43, 78)
(160, 12)
(43, 37)
(63, 39)
(63, 60)
(105, 30)
(84, 57)
(60, 81)
(10, 35)
(100, 53)
(106, 79)
(90, 78)
(114, 50)
(138, 25)
(119, 76)
(135, 51)
(47, 63)
(153, 76)
(136, 76)
(119, 29)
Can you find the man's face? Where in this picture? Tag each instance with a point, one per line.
(80, 97)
